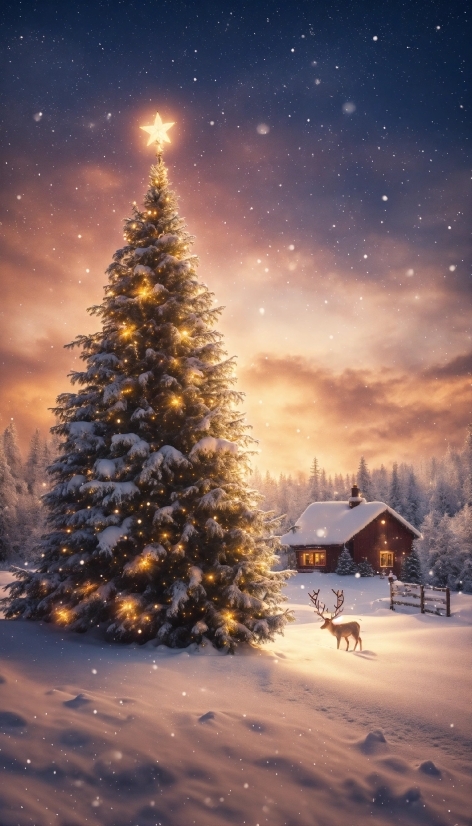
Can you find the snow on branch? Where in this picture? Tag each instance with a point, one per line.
(179, 597)
(209, 444)
(109, 538)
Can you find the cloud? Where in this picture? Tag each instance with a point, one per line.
(458, 367)
(300, 410)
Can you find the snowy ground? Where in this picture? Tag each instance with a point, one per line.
(297, 733)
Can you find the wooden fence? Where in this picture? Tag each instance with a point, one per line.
(423, 596)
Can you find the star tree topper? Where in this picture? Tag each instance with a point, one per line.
(157, 131)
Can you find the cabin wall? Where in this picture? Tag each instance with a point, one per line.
(384, 533)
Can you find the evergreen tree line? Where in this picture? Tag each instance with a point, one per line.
(435, 496)
(410, 569)
(22, 484)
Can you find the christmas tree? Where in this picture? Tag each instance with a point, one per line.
(365, 568)
(346, 564)
(411, 569)
(154, 531)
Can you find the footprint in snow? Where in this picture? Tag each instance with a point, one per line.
(396, 765)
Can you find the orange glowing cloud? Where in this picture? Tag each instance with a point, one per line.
(300, 410)
(335, 358)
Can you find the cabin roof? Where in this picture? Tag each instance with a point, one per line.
(334, 523)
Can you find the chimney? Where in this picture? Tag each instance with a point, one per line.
(355, 497)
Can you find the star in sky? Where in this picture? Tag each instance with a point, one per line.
(158, 131)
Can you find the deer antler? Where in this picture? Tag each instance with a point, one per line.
(320, 607)
(339, 603)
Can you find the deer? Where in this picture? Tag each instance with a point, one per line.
(338, 630)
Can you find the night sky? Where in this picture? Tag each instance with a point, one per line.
(321, 154)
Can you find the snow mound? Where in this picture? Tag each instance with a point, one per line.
(373, 743)
(77, 702)
(205, 718)
(428, 767)
(8, 720)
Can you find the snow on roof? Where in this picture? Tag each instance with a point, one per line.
(334, 523)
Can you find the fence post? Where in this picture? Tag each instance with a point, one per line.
(448, 602)
(422, 598)
(391, 595)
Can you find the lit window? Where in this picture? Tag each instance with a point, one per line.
(313, 558)
(386, 559)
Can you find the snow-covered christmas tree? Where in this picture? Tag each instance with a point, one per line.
(346, 564)
(365, 568)
(154, 532)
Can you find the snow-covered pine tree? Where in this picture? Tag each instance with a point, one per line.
(339, 493)
(315, 473)
(445, 498)
(464, 582)
(346, 564)
(467, 459)
(411, 569)
(8, 503)
(462, 527)
(33, 465)
(31, 513)
(155, 533)
(439, 550)
(326, 487)
(412, 509)
(364, 481)
(365, 568)
(13, 456)
(379, 479)
(395, 498)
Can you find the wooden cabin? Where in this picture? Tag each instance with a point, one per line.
(369, 530)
